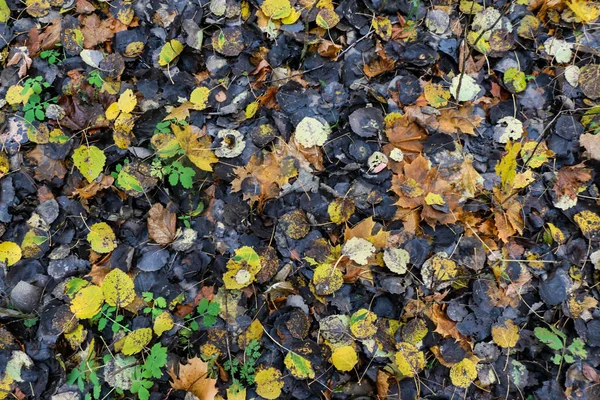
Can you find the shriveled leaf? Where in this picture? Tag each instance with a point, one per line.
(162, 224)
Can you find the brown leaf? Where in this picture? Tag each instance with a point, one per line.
(162, 225)
(383, 384)
(380, 64)
(96, 31)
(89, 191)
(591, 143)
(193, 378)
(452, 120)
(46, 168)
(507, 215)
(570, 179)
(406, 135)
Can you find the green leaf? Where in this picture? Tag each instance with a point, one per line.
(214, 308)
(577, 348)
(4, 11)
(548, 338)
(202, 306)
(556, 359)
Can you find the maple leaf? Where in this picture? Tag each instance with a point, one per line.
(507, 215)
(195, 146)
(267, 172)
(570, 181)
(380, 64)
(404, 134)
(452, 120)
(193, 378)
(420, 186)
(364, 230)
(444, 325)
(96, 31)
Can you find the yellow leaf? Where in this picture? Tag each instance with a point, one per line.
(436, 95)
(199, 98)
(299, 366)
(164, 322)
(112, 111)
(102, 238)
(589, 223)
(127, 101)
(14, 94)
(556, 233)
(87, 302)
(6, 387)
(169, 52)
(327, 279)
(251, 109)
(236, 392)
(276, 9)
(340, 210)
(117, 288)
(409, 360)
(383, 27)
(135, 341)
(463, 373)
(253, 332)
(292, 18)
(10, 253)
(506, 335)
(434, 199)
(269, 383)
(344, 358)
(587, 11)
(327, 18)
(196, 148)
(362, 323)
(506, 169)
(76, 336)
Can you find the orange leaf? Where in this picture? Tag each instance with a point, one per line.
(193, 377)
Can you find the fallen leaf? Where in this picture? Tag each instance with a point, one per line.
(162, 224)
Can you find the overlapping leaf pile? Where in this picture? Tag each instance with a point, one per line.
(299, 199)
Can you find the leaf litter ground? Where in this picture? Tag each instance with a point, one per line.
(271, 199)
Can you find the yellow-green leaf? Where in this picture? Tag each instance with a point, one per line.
(344, 358)
(434, 199)
(102, 238)
(135, 341)
(10, 253)
(162, 323)
(276, 9)
(87, 302)
(169, 52)
(4, 11)
(89, 161)
(299, 366)
(117, 288)
(269, 383)
(362, 323)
